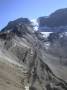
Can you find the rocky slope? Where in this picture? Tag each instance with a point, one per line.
(23, 61)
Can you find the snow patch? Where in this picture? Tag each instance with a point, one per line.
(47, 44)
(27, 87)
(46, 34)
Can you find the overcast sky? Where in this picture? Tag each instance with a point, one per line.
(32, 9)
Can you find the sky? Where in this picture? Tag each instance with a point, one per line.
(32, 9)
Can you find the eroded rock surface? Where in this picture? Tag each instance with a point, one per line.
(22, 62)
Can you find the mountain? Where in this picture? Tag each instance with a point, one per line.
(58, 42)
(25, 63)
(56, 21)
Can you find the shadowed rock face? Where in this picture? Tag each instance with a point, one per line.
(59, 42)
(26, 47)
(56, 19)
(55, 22)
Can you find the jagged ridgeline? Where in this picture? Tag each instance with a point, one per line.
(22, 59)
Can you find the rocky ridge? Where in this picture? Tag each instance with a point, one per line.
(22, 51)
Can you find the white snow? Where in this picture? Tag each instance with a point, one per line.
(46, 34)
(47, 44)
(27, 87)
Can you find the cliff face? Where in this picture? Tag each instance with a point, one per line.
(57, 21)
(22, 60)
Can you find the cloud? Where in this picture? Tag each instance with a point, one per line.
(34, 21)
(35, 24)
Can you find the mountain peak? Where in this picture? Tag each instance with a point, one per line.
(16, 22)
(17, 27)
(20, 20)
(56, 21)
